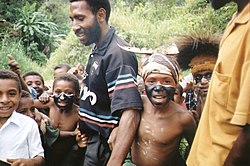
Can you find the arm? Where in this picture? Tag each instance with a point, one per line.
(189, 128)
(240, 152)
(14, 66)
(36, 161)
(125, 135)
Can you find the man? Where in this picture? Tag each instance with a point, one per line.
(223, 133)
(163, 122)
(198, 53)
(20, 142)
(110, 96)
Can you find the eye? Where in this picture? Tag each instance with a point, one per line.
(80, 18)
(166, 82)
(29, 83)
(12, 93)
(38, 83)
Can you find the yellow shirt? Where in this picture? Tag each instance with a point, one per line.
(227, 105)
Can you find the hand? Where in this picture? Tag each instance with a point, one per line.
(81, 139)
(14, 66)
(20, 162)
(44, 97)
(112, 138)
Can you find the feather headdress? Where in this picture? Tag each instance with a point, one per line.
(197, 52)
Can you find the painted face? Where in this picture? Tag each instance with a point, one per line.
(26, 107)
(201, 82)
(202, 76)
(84, 23)
(160, 88)
(217, 4)
(9, 97)
(36, 82)
(64, 95)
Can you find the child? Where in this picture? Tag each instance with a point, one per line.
(163, 122)
(20, 142)
(63, 114)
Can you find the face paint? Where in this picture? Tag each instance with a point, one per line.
(169, 90)
(64, 101)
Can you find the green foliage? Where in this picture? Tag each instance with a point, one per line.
(71, 51)
(10, 45)
(8, 8)
(38, 33)
(58, 11)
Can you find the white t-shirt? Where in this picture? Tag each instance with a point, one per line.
(20, 138)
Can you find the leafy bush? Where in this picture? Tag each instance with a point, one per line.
(10, 45)
(38, 33)
(71, 51)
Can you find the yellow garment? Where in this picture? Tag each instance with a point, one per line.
(227, 104)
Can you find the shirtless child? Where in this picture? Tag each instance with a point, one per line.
(63, 114)
(163, 122)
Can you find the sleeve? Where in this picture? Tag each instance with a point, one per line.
(34, 142)
(122, 82)
(242, 115)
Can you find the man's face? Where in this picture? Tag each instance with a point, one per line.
(9, 97)
(217, 4)
(64, 95)
(36, 82)
(201, 81)
(84, 23)
(26, 107)
(160, 88)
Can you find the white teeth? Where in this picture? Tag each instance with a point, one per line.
(5, 108)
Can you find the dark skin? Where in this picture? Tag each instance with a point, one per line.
(83, 18)
(158, 138)
(14, 66)
(163, 123)
(201, 89)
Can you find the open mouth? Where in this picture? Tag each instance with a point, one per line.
(159, 97)
(5, 108)
(62, 104)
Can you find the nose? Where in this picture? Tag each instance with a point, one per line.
(158, 86)
(204, 80)
(4, 98)
(62, 97)
(75, 26)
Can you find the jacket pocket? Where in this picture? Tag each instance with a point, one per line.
(221, 84)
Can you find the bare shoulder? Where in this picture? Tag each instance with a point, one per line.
(185, 116)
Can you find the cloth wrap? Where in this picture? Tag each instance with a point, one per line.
(161, 64)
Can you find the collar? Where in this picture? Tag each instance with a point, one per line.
(244, 16)
(14, 119)
(107, 40)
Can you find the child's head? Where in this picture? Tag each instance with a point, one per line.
(10, 92)
(178, 96)
(161, 75)
(66, 90)
(35, 80)
(26, 105)
(61, 69)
